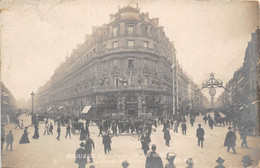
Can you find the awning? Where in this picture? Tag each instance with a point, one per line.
(86, 109)
(61, 107)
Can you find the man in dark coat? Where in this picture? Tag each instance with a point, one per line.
(88, 148)
(9, 140)
(80, 156)
(211, 123)
(200, 135)
(184, 128)
(153, 160)
(167, 136)
(58, 131)
(51, 129)
(230, 140)
(106, 142)
(68, 131)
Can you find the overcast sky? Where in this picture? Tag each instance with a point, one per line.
(37, 35)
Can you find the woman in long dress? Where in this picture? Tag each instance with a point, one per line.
(24, 138)
(82, 133)
(36, 132)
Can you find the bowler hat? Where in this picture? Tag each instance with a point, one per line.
(170, 155)
(220, 160)
(189, 161)
(125, 164)
(246, 158)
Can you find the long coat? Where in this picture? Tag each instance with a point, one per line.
(230, 139)
(106, 140)
(167, 135)
(153, 160)
(88, 146)
(200, 133)
(80, 156)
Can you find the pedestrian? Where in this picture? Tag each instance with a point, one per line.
(87, 130)
(247, 161)
(9, 140)
(100, 127)
(88, 148)
(220, 162)
(205, 118)
(36, 132)
(2, 137)
(230, 140)
(200, 135)
(51, 129)
(21, 124)
(192, 121)
(107, 143)
(145, 144)
(17, 123)
(211, 123)
(46, 128)
(125, 164)
(114, 129)
(243, 136)
(170, 158)
(68, 131)
(167, 136)
(82, 133)
(176, 125)
(184, 128)
(80, 156)
(153, 160)
(189, 162)
(24, 138)
(58, 131)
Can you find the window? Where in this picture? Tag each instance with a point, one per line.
(146, 44)
(130, 43)
(130, 30)
(115, 31)
(145, 31)
(115, 44)
(115, 63)
(130, 63)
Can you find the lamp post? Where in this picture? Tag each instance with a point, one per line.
(32, 94)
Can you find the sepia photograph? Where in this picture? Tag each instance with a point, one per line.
(130, 83)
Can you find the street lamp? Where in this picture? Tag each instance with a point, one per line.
(32, 94)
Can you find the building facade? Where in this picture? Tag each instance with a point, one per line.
(243, 88)
(123, 68)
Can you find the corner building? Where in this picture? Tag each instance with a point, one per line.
(123, 68)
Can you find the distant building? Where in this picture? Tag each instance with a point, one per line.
(126, 67)
(8, 102)
(244, 86)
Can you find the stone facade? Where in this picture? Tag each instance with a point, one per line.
(123, 68)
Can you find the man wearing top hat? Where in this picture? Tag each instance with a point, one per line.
(220, 162)
(80, 156)
(170, 158)
(153, 160)
(230, 140)
(88, 148)
(189, 162)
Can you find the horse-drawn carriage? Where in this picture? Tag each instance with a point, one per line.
(76, 126)
(219, 119)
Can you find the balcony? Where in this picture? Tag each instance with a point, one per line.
(131, 88)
